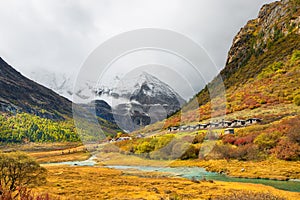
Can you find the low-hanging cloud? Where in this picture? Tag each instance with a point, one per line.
(59, 35)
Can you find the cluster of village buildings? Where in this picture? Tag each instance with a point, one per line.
(222, 124)
(229, 125)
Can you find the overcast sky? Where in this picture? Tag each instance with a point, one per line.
(59, 35)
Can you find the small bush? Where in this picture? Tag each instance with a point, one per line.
(267, 141)
(221, 151)
(248, 139)
(287, 150)
(295, 57)
(271, 69)
(297, 100)
(110, 148)
(228, 139)
(199, 138)
(247, 152)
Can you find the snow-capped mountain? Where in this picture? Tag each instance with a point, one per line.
(134, 101)
(143, 88)
(59, 82)
(140, 100)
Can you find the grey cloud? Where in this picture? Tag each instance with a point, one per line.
(59, 35)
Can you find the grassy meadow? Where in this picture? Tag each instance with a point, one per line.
(68, 182)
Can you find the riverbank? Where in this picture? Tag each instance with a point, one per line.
(269, 169)
(85, 182)
(62, 152)
(67, 182)
(273, 169)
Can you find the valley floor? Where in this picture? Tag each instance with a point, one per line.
(67, 182)
(101, 183)
(269, 169)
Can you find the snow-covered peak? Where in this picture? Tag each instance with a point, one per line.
(59, 82)
(134, 86)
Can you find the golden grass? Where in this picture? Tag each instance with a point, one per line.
(271, 168)
(128, 160)
(69, 154)
(37, 147)
(79, 156)
(101, 183)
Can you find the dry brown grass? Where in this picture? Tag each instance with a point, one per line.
(101, 183)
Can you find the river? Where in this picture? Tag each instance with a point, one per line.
(197, 173)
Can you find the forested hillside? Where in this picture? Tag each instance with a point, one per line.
(30, 112)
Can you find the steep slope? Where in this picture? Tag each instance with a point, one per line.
(61, 83)
(19, 94)
(261, 78)
(30, 112)
(261, 73)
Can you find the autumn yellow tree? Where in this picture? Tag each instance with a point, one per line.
(19, 170)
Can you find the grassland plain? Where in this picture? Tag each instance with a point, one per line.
(270, 169)
(68, 182)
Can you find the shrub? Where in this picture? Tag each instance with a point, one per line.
(159, 155)
(295, 57)
(110, 148)
(221, 151)
(22, 193)
(248, 139)
(228, 139)
(297, 100)
(246, 152)
(294, 133)
(187, 138)
(20, 170)
(145, 147)
(267, 141)
(287, 150)
(190, 152)
(271, 69)
(163, 141)
(199, 138)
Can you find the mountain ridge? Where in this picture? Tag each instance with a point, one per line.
(259, 68)
(20, 94)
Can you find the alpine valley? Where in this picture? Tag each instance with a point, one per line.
(237, 138)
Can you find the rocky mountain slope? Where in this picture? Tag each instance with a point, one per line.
(261, 79)
(145, 89)
(20, 94)
(142, 99)
(30, 112)
(138, 101)
(261, 76)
